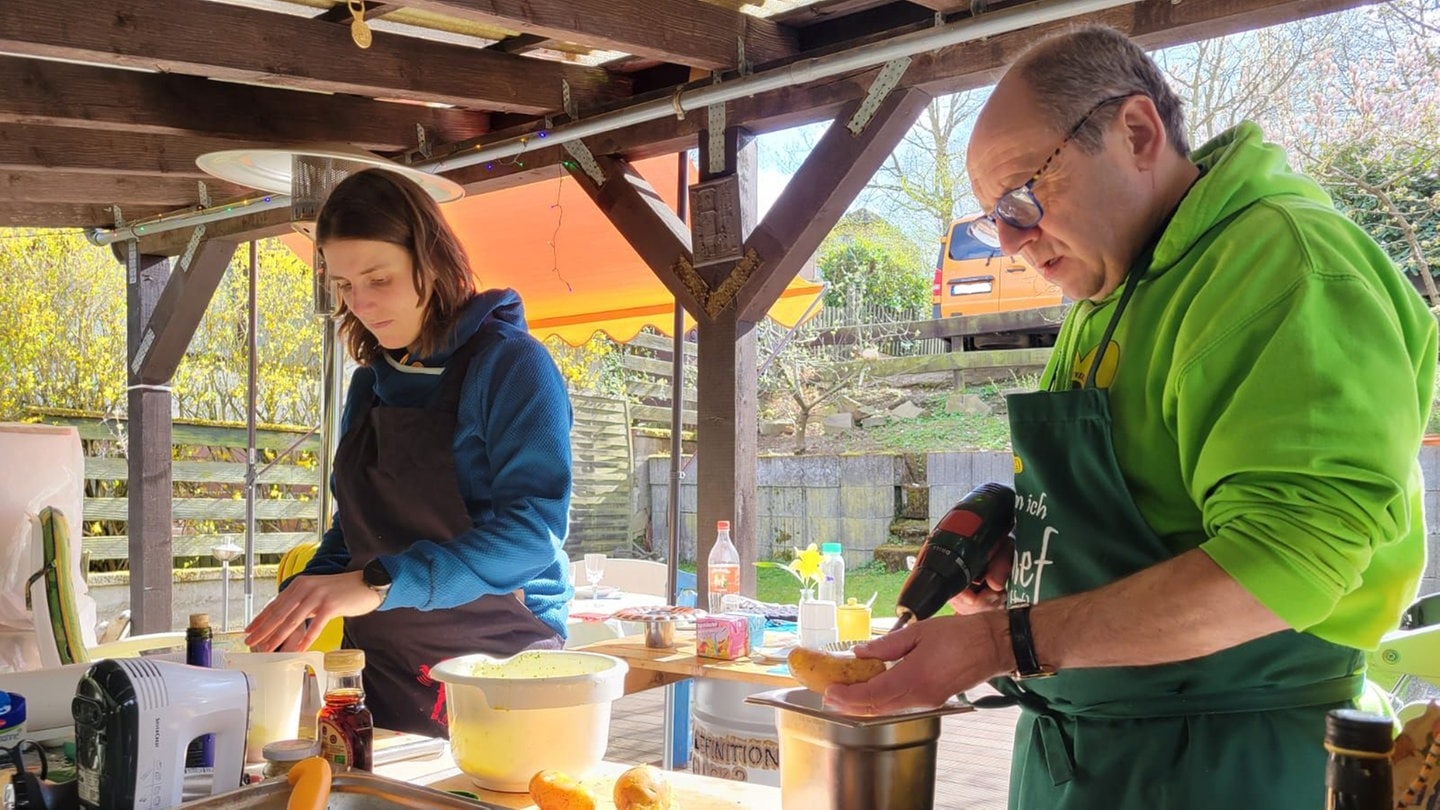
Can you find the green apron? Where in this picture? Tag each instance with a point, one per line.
(1238, 729)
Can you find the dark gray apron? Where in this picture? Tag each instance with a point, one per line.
(396, 483)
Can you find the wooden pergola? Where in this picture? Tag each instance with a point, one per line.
(107, 104)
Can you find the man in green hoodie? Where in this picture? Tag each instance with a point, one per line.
(1219, 500)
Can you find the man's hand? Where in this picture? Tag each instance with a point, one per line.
(992, 595)
(942, 657)
(295, 618)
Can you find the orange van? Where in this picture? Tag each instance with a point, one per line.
(972, 278)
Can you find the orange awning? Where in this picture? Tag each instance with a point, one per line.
(576, 274)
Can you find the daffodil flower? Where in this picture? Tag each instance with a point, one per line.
(805, 567)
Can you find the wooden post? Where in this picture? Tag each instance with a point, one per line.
(148, 450)
(722, 215)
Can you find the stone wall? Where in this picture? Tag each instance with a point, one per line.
(849, 500)
(195, 590)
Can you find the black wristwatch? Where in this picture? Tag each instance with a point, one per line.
(1022, 642)
(376, 578)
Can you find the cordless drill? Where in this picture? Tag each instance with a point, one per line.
(957, 551)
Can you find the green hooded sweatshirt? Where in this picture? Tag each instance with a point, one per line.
(1270, 382)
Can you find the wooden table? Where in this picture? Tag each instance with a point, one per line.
(650, 668)
(692, 792)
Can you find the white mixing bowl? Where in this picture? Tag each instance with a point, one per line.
(511, 717)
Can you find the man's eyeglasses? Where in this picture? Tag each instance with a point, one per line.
(1018, 207)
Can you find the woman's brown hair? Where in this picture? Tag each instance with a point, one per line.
(387, 207)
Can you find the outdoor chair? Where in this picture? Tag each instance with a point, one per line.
(51, 599)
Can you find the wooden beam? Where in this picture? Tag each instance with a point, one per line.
(690, 32)
(949, 70)
(97, 98)
(25, 148)
(726, 392)
(69, 215)
(178, 311)
(641, 216)
(820, 192)
(64, 187)
(149, 488)
(179, 37)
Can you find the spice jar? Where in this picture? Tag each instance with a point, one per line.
(281, 755)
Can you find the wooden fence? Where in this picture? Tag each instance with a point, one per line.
(208, 507)
(209, 479)
(646, 360)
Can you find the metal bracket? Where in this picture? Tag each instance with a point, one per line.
(143, 350)
(568, 101)
(422, 141)
(742, 65)
(581, 153)
(885, 81)
(716, 130)
(132, 253)
(204, 194)
(119, 217)
(195, 237)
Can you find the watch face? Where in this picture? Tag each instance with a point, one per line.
(375, 575)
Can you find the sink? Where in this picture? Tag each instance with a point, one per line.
(348, 791)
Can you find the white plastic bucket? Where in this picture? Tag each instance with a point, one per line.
(511, 717)
(730, 738)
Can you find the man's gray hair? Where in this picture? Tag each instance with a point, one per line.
(1074, 70)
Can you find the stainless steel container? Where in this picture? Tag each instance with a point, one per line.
(831, 761)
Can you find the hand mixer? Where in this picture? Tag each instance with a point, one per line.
(957, 551)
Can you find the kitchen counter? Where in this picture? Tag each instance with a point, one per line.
(692, 792)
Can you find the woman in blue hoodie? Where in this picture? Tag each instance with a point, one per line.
(452, 475)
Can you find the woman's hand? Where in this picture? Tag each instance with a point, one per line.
(992, 595)
(295, 618)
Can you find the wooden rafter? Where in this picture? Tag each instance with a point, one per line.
(66, 149)
(94, 98)
(178, 310)
(179, 36)
(59, 187)
(948, 70)
(73, 215)
(654, 231)
(817, 196)
(688, 32)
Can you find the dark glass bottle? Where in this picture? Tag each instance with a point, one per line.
(201, 753)
(346, 728)
(1357, 774)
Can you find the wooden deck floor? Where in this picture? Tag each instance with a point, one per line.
(973, 760)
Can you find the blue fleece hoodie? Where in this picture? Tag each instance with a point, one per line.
(512, 454)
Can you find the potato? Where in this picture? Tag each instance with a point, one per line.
(554, 790)
(643, 787)
(818, 669)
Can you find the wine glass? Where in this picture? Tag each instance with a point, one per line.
(594, 571)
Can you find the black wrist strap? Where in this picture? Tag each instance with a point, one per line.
(1022, 643)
